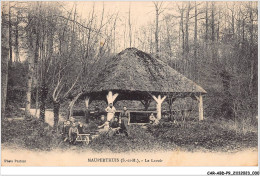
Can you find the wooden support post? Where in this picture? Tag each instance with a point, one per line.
(200, 107)
(159, 101)
(87, 102)
(110, 97)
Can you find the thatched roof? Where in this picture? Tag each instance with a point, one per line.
(133, 70)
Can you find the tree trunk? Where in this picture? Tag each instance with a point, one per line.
(168, 38)
(195, 32)
(187, 29)
(29, 86)
(195, 43)
(218, 28)
(252, 64)
(29, 91)
(43, 94)
(214, 52)
(36, 58)
(227, 104)
(71, 105)
(212, 22)
(37, 91)
(17, 57)
(182, 31)
(10, 35)
(4, 63)
(56, 110)
(30, 74)
(207, 25)
(243, 31)
(156, 31)
(130, 30)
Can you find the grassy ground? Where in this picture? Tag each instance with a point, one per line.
(208, 135)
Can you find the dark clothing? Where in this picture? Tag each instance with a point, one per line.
(100, 122)
(66, 129)
(87, 115)
(73, 138)
(96, 112)
(124, 117)
(124, 125)
(114, 124)
(124, 114)
(73, 133)
(80, 129)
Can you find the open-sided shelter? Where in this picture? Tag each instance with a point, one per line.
(135, 75)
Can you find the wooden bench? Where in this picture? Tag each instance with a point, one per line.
(83, 138)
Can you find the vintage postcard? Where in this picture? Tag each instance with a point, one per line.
(134, 83)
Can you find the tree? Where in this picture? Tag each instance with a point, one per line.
(130, 26)
(4, 57)
(158, 10)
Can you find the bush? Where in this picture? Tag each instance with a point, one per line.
(33, 134)
(210, 134)
(13, 111)
(205, 134)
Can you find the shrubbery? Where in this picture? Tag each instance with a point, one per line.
(210, 135)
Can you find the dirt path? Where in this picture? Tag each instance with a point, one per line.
(49, 116)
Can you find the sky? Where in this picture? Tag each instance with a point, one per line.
(141, 14)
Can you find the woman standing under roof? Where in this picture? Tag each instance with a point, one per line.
(111, 110)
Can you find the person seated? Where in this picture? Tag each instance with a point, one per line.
(153, 120)
(96, 112)
(80, 128)
(65, 130)
(87, 116)
(114, 127)
(114, 123)
(73, 133)
(101, 120)
(105, 127)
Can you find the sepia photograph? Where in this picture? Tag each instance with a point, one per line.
(129, 83)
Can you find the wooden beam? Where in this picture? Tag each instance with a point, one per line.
(159, 101)
(197, 98)
(200, 108)
(110, 97)
(87, 102)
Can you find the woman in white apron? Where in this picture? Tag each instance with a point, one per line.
(110, 111)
